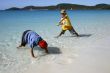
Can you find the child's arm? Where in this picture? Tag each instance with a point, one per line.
(62, 19)
(32, 53)
(60, 23)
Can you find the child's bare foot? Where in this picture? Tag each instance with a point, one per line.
(19, 46)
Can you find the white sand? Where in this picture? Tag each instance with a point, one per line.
(89, 53)
(86, 54)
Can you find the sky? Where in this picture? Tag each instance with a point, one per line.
(4, 4)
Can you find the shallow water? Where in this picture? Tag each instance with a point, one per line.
(12, 23)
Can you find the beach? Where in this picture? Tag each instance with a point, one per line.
(88, 53)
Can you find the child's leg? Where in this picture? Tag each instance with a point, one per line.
(72, 31)
(23, 42)
(62, 32)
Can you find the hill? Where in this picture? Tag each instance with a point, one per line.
(65, 6)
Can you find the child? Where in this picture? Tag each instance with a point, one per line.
(66, 24)
(33, 39)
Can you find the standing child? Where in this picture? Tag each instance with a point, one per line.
(33, 39)
(66, 24)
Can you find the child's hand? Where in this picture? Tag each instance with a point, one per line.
(34, 57)
(57, 24)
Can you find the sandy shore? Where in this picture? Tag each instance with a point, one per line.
(89, 53)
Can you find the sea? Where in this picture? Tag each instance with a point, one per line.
(43, 22)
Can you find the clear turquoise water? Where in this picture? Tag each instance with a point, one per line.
(13, 23)
(21, 20)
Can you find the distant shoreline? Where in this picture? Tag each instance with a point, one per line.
(64, 6)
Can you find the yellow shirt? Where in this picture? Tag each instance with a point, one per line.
(66, 24)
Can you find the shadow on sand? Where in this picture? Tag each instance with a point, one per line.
(80, 35)
(52, 50)
(85, 35)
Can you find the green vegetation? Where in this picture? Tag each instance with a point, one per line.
(65, 6)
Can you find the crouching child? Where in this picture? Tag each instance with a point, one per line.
(32, 39)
